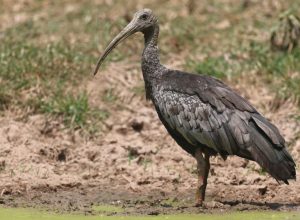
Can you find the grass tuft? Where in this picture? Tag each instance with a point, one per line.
(45, 77)
(279, 67)
(75, 110)
(215, 67)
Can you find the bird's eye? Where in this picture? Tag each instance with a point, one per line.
(144, 17)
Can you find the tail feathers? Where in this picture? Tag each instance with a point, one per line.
(282, 169)
(276, 161)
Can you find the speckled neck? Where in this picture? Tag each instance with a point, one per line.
(151, 67)
(150, 58)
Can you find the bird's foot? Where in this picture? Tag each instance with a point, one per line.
(199, 203)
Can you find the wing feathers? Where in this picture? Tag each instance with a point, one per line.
(205, 112)
(270, 130)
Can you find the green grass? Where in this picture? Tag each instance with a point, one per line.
(280, 69)
(234, 51)
(43, 76)
(45, 61)
(108, 209)
(37, 77)
(30, 214)
(216, 67)
(74, 110)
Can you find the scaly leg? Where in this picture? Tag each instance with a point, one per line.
(203, 167)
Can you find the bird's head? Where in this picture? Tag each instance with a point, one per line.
(141, 22)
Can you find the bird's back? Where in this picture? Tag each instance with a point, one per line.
(200, 111)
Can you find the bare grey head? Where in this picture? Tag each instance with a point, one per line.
(142, 21)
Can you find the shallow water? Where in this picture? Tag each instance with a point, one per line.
(32, 214)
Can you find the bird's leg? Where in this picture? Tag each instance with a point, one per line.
(203, 167)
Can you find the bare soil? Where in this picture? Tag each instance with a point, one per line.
(134, 163)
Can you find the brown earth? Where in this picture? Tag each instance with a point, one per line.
(134, 163)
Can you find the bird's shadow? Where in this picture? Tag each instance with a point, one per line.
(270, 205)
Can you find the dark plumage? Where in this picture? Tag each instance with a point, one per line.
(200, 111)
(203, 115)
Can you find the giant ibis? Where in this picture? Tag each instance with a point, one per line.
(203, 115)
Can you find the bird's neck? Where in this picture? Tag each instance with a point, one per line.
(151, 67)
(150, 58)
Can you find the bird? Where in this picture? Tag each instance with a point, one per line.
(202, 114)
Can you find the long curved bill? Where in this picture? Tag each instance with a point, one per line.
(126, 32)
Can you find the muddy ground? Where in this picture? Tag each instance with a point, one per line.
(134, 163)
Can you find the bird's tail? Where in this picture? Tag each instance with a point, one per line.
(273, 158)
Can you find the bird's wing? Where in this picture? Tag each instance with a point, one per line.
(222, 97)
(211, 114)
(207, 111)
(223, 104)
(200, 122)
